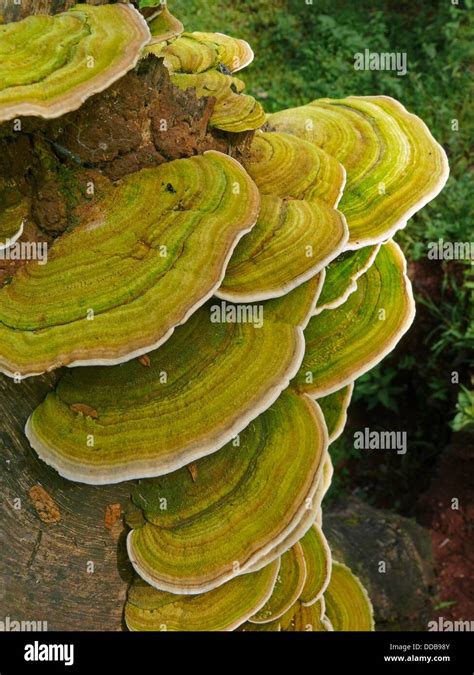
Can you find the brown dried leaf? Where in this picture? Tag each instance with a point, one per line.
(84, 409)
(193, 470)
(145, 360)
(113, 513)
(45, 506)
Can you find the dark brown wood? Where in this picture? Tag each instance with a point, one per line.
(14, 10)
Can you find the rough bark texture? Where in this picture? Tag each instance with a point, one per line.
(364, 537)
(62, 555)
(143, 120)
(15, 10)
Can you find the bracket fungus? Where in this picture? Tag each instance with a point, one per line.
(233, 53)
(310, 516)
(324, 485)
(141, 262)
(197, 52)
(307, 618)
(394, 165)
(204, 63)
(223, 609)
(163, 25)
(285, 165)
(221, 306)
(342, 274)
(51, 65)
(331, 599)
(344, 343)
(298, 231)
(334, 408)
(187, 548)
(271, 627)
(243, 367)
(12, 221)
(233, 111)
(348, 607)
(317, 556)
(288, 587)
(301, 618)
(344, 606)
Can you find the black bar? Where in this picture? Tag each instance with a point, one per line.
(311, 652)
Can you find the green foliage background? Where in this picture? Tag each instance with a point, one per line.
(305, 50)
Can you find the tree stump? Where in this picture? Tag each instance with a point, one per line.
(372, 540)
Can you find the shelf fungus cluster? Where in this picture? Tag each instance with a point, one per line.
(206, 62)
(214, 312)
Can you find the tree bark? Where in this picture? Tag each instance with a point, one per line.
(62, 552)
(15, 10)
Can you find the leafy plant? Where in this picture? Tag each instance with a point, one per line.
(464, 418)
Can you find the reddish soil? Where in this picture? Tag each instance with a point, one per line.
(452, 528)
